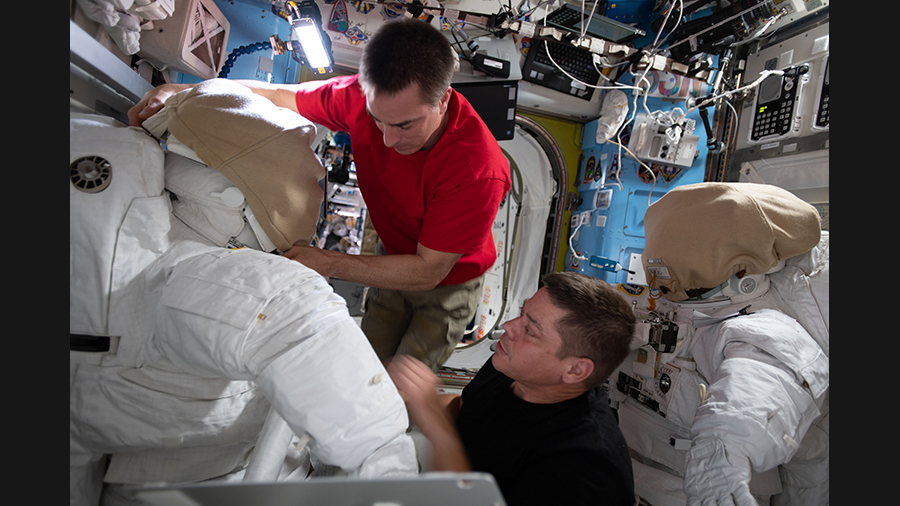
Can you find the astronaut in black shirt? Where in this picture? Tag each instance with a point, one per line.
(535, 416)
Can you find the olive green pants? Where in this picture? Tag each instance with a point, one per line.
(425, 325)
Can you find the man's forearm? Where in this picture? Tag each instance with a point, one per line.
(282, 95)
(392, 272)
(448, 452)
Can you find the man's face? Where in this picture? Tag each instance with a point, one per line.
(526, 351)
(408, 124)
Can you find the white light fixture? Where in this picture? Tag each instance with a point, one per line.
(310, 37)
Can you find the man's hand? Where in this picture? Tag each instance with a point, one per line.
(418, 387)
(152, 102)
(433, 414)
(316, 259)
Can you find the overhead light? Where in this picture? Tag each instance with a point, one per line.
(310, 36)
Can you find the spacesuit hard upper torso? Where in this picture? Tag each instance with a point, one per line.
(205, 338)
(705, 376)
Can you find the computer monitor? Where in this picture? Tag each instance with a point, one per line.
(570, 17)
(495, 102)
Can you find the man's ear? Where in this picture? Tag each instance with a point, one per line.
(579, 369)
(444, 103)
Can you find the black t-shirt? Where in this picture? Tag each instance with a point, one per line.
(571, 452)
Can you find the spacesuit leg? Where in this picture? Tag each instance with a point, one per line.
(85, 478)
(805, 477)
(86, 468)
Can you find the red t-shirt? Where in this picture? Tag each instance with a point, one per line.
(445, 198)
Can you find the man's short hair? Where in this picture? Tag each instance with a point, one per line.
(598, 324)
(403, 52)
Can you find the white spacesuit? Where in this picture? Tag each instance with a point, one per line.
(184, 340)
(728, 377)
(125, 19)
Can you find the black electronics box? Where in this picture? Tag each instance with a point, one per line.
(495, 102)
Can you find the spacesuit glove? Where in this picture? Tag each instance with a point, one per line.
(717, 475)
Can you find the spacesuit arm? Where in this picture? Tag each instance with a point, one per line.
(248, 315)
(768, 382)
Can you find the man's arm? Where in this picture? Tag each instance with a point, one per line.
(433, 414)
(419, 272)
(282, 95)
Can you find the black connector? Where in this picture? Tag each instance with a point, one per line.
(493, 67)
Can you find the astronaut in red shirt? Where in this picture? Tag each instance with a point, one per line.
(432, 176)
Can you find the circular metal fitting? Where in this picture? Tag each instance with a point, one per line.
(91, 174)
(665, 383)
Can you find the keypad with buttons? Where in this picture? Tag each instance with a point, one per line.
(774, 117)
(773, 120)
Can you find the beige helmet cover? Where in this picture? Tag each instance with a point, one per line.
(263, 149)
(699, 235)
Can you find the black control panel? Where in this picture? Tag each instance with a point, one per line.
(777, 103)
